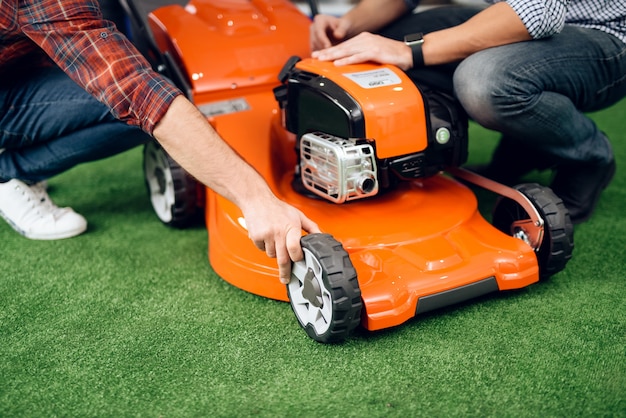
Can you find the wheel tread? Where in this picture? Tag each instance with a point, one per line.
(343, 285)
(558, 242)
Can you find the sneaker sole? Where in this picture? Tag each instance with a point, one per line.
(66, 234)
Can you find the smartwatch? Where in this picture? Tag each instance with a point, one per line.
(415, 42)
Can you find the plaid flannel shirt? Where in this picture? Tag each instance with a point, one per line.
(90, 50)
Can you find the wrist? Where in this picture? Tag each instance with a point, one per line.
(415, 41)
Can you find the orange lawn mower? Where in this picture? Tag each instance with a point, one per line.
(366, 153)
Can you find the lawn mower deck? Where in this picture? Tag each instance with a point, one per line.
(366, 154)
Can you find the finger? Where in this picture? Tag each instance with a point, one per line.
(319, 37)
(344, 50)
(318, 45)
(270, 249)
(328, 54)
(294, 249)
(284, 265)
(324, 43)
(309, 226)
(353, 59)
(284, 272)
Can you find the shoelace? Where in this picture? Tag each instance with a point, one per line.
(41, 201)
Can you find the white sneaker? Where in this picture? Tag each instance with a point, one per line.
(29, 210)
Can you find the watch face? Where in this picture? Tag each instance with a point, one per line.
(414, 38)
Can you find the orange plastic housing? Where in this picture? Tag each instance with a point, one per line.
(424, 238)
(230, 47)
(393, 109)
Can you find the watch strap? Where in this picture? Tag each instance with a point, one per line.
(415, 42)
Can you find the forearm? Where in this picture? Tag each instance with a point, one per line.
(494, 26)
(190, 140)
(273, 226)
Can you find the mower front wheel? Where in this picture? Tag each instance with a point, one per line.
(556, 247)
(324, 292)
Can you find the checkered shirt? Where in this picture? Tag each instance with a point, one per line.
(544, 18)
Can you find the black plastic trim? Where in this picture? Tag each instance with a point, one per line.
(454, 296)
(307, 96)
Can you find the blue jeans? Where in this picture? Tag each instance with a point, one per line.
(48, 124)
(535, 93)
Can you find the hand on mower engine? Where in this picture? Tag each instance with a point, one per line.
(367, 47)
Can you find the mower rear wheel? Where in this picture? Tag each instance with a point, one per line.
(324, 292)
(557, 245)
(173, 192)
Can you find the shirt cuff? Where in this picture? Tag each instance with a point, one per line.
(542, 18)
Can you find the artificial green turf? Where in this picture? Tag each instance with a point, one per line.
(129, 320)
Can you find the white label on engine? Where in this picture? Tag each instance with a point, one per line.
(374, 78)
(224, 107)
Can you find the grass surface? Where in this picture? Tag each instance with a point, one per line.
(130, 320)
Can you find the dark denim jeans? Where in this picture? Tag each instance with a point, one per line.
(48, 124)
(535, 93)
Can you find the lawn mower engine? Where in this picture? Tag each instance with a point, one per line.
(363, 130)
